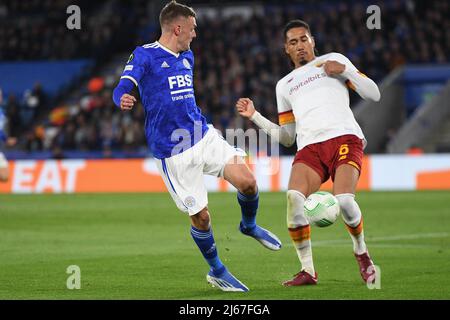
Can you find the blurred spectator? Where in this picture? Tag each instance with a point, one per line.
(96, 84)
(13, 114)
(34, 139)
(415, 150)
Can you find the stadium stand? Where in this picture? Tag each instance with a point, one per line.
(246, 60)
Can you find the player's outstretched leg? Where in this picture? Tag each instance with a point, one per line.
(239, 175)
(248, 226)
(218, 274)
(225, 281)
(352, 216)
(300, 232)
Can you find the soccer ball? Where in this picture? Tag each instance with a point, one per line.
(321, 209)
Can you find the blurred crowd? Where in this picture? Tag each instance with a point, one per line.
(247, 59)
(235, 56)
(37, 29)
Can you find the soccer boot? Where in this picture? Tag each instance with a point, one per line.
(366, 267)
(225, 281)
(265, 237)
(302, 278)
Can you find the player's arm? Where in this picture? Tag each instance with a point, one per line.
(355, 80)
(284, 134)
(132, 74)
(121, 95)
(4, 137)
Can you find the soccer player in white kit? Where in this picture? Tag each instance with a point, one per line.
(313, 105)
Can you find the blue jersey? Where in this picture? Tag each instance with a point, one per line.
(173, 121)
(2, 126)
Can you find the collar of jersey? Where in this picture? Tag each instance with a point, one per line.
(311, 62)
(302, 68)
(168, 50)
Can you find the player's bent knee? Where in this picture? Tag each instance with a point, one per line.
(4, 175)
(248, 185)
(295, 213)
(201, 220)
(349, 209)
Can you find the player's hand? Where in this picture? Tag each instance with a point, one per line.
(245, 107)
(332, 67)
(127, 101)
(11, 141)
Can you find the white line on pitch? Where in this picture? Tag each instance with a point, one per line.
(387, 238)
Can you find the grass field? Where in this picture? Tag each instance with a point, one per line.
(138, 246)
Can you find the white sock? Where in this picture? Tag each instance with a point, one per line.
(351, 213)
(359, 245)
(304, 253)
(299, 230)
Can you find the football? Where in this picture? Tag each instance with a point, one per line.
(321, 209)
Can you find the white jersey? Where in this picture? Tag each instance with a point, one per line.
(319, 104)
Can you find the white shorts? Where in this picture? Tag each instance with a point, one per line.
(183, 173)
(3, 161)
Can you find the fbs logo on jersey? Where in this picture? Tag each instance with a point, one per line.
(180, 81)
(165, 65)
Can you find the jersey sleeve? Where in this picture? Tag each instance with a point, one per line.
(358, 81)
(285, 114)
(349, 66)
(136, 66)
(2, 126)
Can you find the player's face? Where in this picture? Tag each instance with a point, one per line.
(299, 46)
(187, 33)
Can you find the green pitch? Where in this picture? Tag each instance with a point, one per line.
(138, 246)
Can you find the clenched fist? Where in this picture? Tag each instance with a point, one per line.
(127, 101)
(245, 107)
(332, 67)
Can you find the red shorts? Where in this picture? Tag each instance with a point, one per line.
(324, 157)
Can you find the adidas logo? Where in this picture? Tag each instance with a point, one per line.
(211, 250)
(165, 65)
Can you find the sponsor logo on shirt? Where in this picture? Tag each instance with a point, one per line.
(181, 87)
(179, 82)
(303, 83)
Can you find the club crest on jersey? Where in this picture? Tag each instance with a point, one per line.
(186, 64)
(189, 201)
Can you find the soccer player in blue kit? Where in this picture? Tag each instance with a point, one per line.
(184, 146)
(4, 171)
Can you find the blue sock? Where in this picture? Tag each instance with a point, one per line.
(249, 207)
(206, 244)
